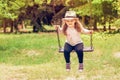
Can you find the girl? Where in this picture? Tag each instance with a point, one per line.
(71, 27)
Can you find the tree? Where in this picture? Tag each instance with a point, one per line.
(96, 11)
(8, 12)
(100, 11)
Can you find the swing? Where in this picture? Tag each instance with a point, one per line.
(85, 49)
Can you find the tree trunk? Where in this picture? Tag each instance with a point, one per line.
(4, 26)
(104, 27)
(11, 24)
(95, 24)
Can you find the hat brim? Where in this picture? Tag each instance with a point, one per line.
(69, 18)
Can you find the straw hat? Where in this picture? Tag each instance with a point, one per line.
(70, 14)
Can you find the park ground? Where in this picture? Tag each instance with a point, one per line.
(35, 57)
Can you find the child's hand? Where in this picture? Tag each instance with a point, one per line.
(56, 27)
(90, 31)
(77, 19)
(63, 21)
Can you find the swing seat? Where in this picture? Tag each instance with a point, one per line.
(88, 49)
(85, 49)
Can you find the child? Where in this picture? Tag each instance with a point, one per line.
(71, 27)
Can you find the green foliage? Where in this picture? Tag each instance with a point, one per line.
(96, 8)
(90, 8)
(10, 9)
(96, 1)
(117, 23)
(39, 1)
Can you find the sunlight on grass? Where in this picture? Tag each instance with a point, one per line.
(36, 57)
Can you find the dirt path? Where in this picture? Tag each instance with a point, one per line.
(117, 55)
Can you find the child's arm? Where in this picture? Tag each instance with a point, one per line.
(86, 31)
(83, 30)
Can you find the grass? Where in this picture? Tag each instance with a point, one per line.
(36, 57)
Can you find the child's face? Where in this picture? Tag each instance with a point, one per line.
(70, 22)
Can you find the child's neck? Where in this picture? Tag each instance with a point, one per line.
(71, 26)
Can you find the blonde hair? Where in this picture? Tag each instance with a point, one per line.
(76, 26)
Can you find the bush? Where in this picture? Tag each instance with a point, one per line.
(117, 23)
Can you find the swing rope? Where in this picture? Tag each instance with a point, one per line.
(86, 49)
(91, 43)
(58, 38)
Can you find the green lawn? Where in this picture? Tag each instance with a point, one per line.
(35, 57)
